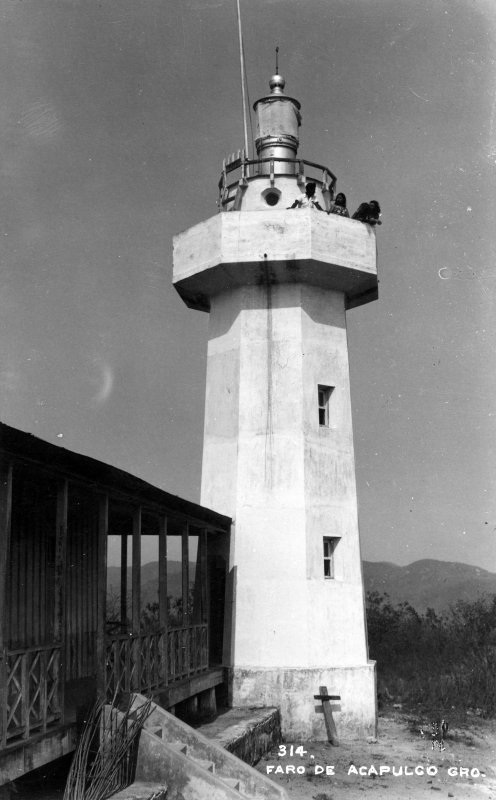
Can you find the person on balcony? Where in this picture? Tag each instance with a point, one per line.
(308, 199)
(368, 213)
(339, 206)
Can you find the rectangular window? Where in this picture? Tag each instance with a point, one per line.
(324, 396)
(330, 544)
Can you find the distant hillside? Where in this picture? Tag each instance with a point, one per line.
(423, 584)
(149, 580)
(428, 583)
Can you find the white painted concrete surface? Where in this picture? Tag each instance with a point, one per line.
(276, 284)
(297, 245)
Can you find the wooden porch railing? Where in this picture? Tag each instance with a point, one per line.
(31, 685)
(31, 688)
(148, 662)
(187, 651)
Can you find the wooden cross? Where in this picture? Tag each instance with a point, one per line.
(332, 734)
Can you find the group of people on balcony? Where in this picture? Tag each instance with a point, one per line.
(366, 212)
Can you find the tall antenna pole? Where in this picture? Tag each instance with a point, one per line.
(242, 68)
(277, 61)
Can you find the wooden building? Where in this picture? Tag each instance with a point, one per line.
(67, 523)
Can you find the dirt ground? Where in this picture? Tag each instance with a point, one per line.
(465, 769)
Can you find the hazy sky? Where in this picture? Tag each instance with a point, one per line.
(114, 120)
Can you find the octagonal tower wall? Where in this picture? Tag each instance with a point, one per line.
(277, 283)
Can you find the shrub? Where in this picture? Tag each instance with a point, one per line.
(435, 660)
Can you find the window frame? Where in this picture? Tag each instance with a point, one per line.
(323, 404)
(328, 556)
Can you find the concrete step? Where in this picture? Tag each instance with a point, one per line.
(143, 790)
(205, 764)
(194, 767)
(157, 730)
(232, 782)
(248, 733)
(179, 746)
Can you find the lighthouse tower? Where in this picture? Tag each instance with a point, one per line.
(278, 441)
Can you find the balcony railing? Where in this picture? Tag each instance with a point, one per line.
(237, 170)
(31, 686)
(146, 663)
(31, 678)
(187, 652)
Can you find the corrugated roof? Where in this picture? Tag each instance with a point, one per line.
(115, 481)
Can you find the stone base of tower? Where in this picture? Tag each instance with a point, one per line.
(293, 690)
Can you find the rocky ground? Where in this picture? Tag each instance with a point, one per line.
(465, 769)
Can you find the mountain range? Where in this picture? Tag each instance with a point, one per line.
(424, 584)
(149, 580)
(428, 583)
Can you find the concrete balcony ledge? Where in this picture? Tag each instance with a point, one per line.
(239, 248)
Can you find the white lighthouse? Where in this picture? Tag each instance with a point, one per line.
(278, 442)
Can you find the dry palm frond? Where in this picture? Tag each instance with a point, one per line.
(104, 760)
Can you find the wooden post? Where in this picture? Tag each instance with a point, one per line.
(25, 716)
(136, 613)
(185, 641)
(5, 534)
(185, 572)
(202, 565)
(136, 570)
(60, 558)
(204, 632)
(332, 734)
(101, 647)
(162, 596)
(44, 660)
(207, 703)
(123, 597)
(60, 582)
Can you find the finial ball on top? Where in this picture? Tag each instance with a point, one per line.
(277, 84)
